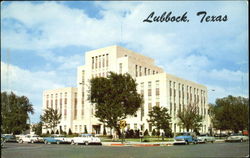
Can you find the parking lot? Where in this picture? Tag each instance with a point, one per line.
(27, 150)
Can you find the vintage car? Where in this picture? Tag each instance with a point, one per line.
(204, 138)
(86, 139)
(185, 138)
(63, 139)
(2, 141)
(30, 139)
(9, 137)
(237, 137)
(53, 139)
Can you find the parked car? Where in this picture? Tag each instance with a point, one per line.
(30, 139)
(52, 139)
(185, 138)
(86, 139)
(204, 138)
(237, 137)
(9, 137)
(2, 141)
(64, 139)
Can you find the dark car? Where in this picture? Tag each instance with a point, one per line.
(9, 137)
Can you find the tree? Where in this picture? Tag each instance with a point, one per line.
(51, 118)
(15, 112)
(146, 133)
(160, 119)
(189, 117)
(70, 132)
(230, 113)
(37, 128)
(114, 98)
(85, 130)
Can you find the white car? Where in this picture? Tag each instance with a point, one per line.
(30, 139)
(237, 137)
(64, 139)
(204, 138)
(86, 139)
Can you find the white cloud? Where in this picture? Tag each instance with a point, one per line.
(30, 84)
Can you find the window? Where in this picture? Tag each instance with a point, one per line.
(140, 71)
(135, 126)
(99, 61)
(145, 71)
(142, 88)
(153, 72)
(80, 128)
(157, 104)
(107, 60)
(93, 62)
(103, 61)
(128, 126)
(149, 72)
(149, 89)
(136, 70)
(75, 128)
(96, 62)
(149, 107)
(157, 90)
(120, 68)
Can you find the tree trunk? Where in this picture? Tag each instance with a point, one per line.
(118, 131)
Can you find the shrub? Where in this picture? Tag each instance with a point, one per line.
(153, 132)
(70, 132)
(85, 130)
(104, 131)
(146, 132)
(129, 133)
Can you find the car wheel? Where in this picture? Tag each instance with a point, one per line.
(205, 141)
(86, 143)
(186, 143)
(32, 141)
(20, 141)
(57, 142)
(45, 142)
(241, 140)
(72, 142)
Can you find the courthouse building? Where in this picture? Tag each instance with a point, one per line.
(157, 87)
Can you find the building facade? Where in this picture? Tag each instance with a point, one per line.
(157, 87)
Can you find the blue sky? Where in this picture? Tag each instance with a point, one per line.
(48, 40)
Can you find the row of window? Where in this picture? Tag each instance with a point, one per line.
(100, 61)
(181, 87)
(140, 72)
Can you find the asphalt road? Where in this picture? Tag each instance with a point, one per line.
(15, 150)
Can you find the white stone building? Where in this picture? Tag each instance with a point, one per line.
(157, 87)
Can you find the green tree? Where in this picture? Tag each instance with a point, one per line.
(159, 118)
(51, 118)
(37, 128)
(189, 117)
(230, 113)
(70, 132)
(114, 98)
(15, 112)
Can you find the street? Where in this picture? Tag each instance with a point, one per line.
(15, 150)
